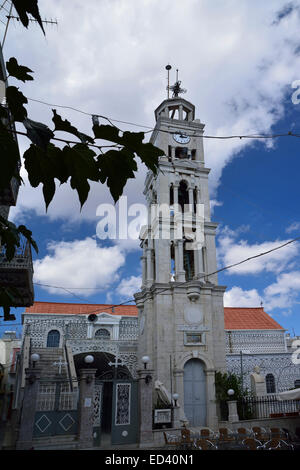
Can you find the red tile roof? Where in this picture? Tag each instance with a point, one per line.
(74, 309)
(235, 318)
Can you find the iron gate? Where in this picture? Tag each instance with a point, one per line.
(56, 410)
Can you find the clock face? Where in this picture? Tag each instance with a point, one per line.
(181, 137)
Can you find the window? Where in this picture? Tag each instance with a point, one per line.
(270, 383)
(188, 263)
(53, 339)
(102, 333)
(297, 383)
(181, 152)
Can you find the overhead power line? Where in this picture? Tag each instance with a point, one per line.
(159, 290)
(177, 284)
(151, 128)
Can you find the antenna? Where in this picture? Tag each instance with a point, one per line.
(11, 17)
(168, 68)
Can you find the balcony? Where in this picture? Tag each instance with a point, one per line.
(9, 195)
(18, 273)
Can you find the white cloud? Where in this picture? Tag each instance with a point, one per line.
(79, 264)
(293, 227)
(237, 297)
(108, 58)
(129, 286)
(284, 292)
(231, 251)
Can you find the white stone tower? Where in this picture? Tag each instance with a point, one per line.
(181, 313)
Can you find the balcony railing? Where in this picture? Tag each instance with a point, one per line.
(18, 273)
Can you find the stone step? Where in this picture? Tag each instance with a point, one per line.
(55, 442)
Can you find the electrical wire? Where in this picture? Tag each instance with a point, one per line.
(239, 136)
(159, 291)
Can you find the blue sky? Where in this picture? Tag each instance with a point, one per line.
(238, 62)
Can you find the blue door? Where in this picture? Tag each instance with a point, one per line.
(195, 392)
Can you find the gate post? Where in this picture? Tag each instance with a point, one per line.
(145, 407)
(86, 408)
(28, 409)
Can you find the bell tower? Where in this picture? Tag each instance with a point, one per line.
(181, 314)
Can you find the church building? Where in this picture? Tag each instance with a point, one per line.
(100, 370)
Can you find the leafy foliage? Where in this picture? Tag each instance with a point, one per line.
(15, 100)
(223, 383)
(24, 7)
(66, 126)
(9, 157)
(38, 133)
(10, 236)
(18, 71)
(46, 162)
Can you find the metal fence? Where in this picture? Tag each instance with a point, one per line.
(267, 407)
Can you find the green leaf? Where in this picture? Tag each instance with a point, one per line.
(10, 238)
(9, 158)
(149, 155)
(15, 100)
(81, 166)
(107, 133)
(116, 167)
(43, 167)
(66, 126)
(132, 141)
(38, 133)
(18, 71)
(24, 7)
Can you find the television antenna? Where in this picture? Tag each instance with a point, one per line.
(10, 17)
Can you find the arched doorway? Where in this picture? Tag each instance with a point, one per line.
(195, 392)
(53, 339)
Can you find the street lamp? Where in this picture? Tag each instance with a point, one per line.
(145, 361)
(175, 398)
(230, 392)
(89, 359)
(34, 358)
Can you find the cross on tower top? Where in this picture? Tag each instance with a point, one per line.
(176, 89)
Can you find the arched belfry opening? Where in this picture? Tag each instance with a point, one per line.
(183, 195)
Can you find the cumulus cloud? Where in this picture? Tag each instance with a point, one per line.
(284, 292)
(237, 297)
(129, 286)
(79, 264)
(231, 251)
(108, 58)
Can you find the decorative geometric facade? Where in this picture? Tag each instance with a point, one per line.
(268, 347)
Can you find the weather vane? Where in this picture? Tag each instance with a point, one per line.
(176, 89)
